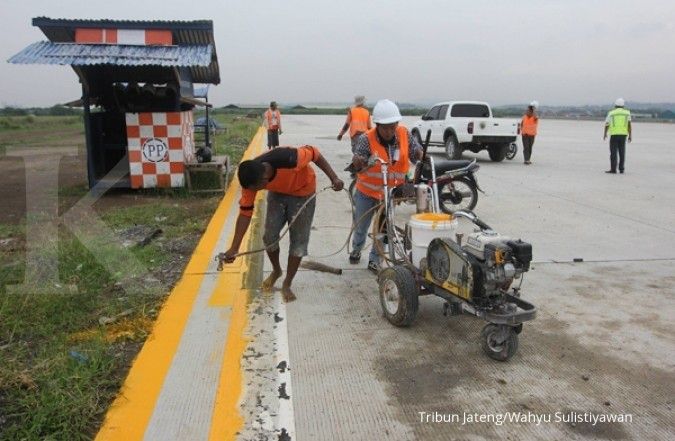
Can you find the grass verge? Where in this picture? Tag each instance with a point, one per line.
(66, 344)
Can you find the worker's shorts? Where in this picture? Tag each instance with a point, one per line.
(281, 209)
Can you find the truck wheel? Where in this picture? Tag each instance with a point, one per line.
(452, 148)
(498, 152)
(399, 295)
(500, 342)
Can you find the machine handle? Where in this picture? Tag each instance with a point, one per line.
(418, 169)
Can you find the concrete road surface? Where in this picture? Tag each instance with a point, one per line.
(601, 347)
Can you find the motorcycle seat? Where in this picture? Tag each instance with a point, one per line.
(443, 166)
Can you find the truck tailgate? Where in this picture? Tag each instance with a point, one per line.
(495, 127)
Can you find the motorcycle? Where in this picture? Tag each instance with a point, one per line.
(456, 182)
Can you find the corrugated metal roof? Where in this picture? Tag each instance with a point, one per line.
(123, 24)
(45, 52)
(196, 32)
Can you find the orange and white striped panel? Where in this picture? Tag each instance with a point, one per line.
(159, 145)
(141, 37)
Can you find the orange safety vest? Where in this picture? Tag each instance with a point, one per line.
(273, 118)
(359, 120)
(370, 182)
(529, 125)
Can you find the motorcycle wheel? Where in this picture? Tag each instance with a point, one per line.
(458, 194)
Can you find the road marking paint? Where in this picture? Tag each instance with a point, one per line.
(227, 420)
(128, 416)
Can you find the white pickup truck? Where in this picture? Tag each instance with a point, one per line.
(467, 125)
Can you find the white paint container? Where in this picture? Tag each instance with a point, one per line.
(425, 227)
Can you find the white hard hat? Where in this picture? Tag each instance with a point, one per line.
(386, 112)
(534, 104)
(359, 100)
(619, 102)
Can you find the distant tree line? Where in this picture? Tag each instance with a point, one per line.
(40, 111)
(231, 109)
(302, 110)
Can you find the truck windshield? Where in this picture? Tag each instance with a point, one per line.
(470, 111)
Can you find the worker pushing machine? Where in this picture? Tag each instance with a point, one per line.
(358, 121)
(617, 124)
(287, 174)
(272, 122)
(393, 143)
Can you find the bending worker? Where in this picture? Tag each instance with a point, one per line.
(618, 126)
(389, 141)
(272, 122)
(287, 174)
(358, 121)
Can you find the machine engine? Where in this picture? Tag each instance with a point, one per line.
(482, 269)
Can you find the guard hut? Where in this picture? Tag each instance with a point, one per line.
(137, 92)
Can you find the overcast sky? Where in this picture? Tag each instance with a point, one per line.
(302, 51)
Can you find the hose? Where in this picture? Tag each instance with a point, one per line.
(221, 256)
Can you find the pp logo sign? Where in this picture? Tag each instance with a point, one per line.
(155, 150)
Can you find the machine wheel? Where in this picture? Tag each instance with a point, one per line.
(459, 194)
(452, 148)
(498, 152)
(500, 342)
(511, 151)
(399, 295)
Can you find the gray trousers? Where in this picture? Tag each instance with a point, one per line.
(272, 138)
(617, 146)
(528, 142)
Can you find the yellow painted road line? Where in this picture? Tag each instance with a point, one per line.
(128, 416)
(226, 420)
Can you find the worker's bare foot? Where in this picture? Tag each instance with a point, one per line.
(268, 283)
(287, 294)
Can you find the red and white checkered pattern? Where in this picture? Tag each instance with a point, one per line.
(172, 131)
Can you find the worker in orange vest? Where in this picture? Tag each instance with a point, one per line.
(392, 142)
(528, 130)
(287, 175)
(358, 121)
(272, 122)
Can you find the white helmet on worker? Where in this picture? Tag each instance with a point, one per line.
(534, 104)
(359, 100)
(619, 102)
(386, 112)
